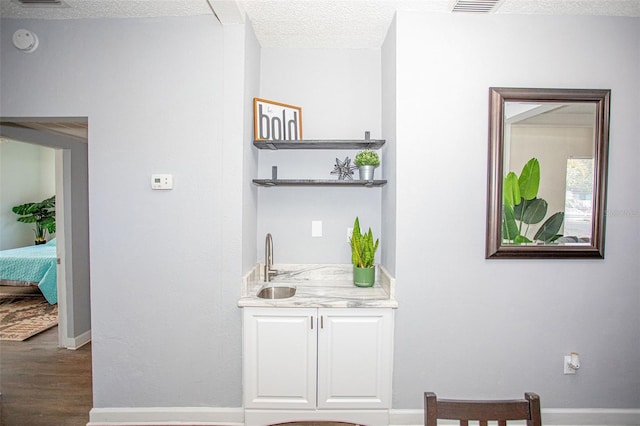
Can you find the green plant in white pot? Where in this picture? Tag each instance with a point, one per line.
(363, 250)
(367, 161)
(42, 214)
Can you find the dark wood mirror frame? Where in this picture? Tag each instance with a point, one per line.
(497, 99)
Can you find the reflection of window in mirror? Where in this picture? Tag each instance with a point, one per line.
(578, 203)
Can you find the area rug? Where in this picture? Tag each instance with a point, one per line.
(21, 318)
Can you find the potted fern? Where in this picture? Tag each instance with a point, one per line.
(363, 251)
(43, 214)
(367, 161)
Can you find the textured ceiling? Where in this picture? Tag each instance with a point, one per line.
(79, 9)
(309, 23)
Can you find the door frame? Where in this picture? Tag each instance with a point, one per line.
(66, 233)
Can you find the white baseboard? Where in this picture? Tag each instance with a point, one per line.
(209, 416)
(205, 416)
(591, 416)
(550, 417)
(74, 343)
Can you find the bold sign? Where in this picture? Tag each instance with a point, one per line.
(275, 121)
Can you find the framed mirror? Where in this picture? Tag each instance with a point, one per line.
(547, 177)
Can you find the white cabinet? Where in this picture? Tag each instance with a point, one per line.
(280, 357)
(354, 358)
(318, 359)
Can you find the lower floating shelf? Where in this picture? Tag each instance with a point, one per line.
(318, 182)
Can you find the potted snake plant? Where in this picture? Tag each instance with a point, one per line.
(363, 250)
(367, 161)
(42, 214)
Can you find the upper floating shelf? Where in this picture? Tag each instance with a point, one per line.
(319, 182)
(320, 144)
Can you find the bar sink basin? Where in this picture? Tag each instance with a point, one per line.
(276, 292)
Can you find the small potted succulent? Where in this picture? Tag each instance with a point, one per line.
(367, 161)
(43, 214)
(363, 250)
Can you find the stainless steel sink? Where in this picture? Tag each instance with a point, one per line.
(276, 292)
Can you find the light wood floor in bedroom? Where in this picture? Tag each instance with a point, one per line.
(43, 385)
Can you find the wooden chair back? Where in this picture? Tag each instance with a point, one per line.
(483, 412)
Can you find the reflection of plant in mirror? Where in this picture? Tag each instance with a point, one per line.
(522, 208)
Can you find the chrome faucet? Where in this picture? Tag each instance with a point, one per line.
(268, 259)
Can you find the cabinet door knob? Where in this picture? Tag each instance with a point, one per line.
(312, 322)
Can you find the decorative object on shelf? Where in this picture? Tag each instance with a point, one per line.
(523, 207)
(275, 121)
(363, 251)
(43, 214)
(367, 161)
(344, 169)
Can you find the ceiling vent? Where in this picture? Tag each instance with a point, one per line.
(41, 3)
(475, 6)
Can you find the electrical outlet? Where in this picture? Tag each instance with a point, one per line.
(349, 234)
(316, 228)
(567, 368)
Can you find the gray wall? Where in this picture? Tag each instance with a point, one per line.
(165, 324)
(339, 93)
(163, 331)
(467, 326)
(389, 118)
(250, 155)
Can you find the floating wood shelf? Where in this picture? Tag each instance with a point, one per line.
(318, 182)
(320, 144)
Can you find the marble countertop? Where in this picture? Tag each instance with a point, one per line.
(319, 286)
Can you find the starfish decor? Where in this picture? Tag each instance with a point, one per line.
(344, 169)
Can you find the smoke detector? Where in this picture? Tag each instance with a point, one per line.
(25, 41)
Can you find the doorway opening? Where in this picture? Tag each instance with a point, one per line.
(69, 137)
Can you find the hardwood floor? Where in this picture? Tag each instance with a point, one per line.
(42, 384)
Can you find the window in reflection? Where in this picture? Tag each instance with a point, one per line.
(578, 200)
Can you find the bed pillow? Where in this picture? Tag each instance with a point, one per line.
(52, 242)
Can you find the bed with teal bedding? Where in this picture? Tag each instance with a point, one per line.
(35, 264)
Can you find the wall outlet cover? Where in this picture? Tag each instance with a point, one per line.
(316, 228)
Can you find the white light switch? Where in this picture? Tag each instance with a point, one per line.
(316, 228)
(161, 181)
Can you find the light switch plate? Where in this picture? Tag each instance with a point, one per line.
(316, 228)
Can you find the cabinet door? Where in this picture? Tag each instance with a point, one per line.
(355, 358)
(280, 357)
